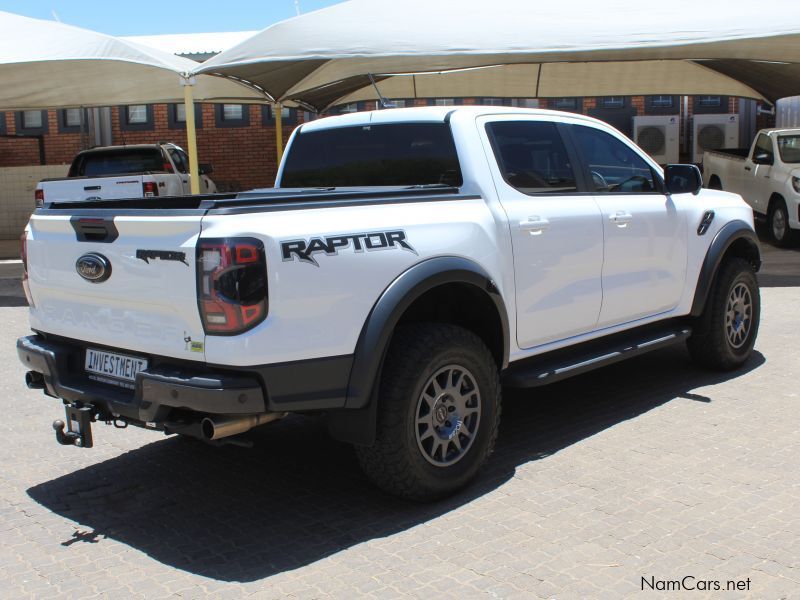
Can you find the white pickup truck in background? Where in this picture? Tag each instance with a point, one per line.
(767, 176)
(135, 171)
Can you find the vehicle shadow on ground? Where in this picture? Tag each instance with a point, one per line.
(11, 293)
(237, 514)
(780, 266)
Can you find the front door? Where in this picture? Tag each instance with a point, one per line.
(756, 171)
(556, 233)
(644, 269)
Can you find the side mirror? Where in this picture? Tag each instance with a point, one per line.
(683, 179)
(763, 158)
(206, 169)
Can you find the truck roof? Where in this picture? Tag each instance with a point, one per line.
(126, 147)
(434, 114)
(783, 130)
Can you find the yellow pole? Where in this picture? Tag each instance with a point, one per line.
(278, 129)
(191, 135)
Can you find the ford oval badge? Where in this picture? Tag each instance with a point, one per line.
(93, 267)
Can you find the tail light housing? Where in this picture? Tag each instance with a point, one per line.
(231, 284)
(149, 189)
(23, 254)
(38, 197)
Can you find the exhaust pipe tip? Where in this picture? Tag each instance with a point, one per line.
(34, 380)
(226, 426)
(207, 429)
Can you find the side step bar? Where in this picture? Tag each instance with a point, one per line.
(561, 364)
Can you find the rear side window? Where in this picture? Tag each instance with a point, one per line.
(789, 148)
(402, 154)
(613, 165)
(532, 157)
(119, 162)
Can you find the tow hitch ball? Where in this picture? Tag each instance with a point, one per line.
(79, 426)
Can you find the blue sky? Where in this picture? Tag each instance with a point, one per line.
(145, 17)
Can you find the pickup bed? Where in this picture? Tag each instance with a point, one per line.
(408, 263)
(766, 175)
(144, 170)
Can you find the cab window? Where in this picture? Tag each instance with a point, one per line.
(532, 157)
(762, 151)
(613, 165)
(177, 158)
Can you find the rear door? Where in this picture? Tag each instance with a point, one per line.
(556, 231)
(147, 303)
(644, 231)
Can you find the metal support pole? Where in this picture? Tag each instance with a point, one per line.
(278, 108)
(191, 134)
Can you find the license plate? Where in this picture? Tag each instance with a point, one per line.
(117, 369)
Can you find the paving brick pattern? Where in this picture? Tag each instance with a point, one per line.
(652, 468)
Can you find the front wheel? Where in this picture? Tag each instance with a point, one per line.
(438, 412)
(724, 335)
(778, 219)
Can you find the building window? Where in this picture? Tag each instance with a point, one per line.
(662, 101)
(492, 102)
(288, 115)
(136, 114)
(348, 108)
(2, 123)
(31, 122)
(398, 103)
(524, 102)
(612, 102)
(564, 103)
(176, 116)
(136, 117)
(709, 101)
(69, 120)
(445, 102)
(232, 115)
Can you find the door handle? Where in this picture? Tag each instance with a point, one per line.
(535, 225)
(747, 169)
(621, 218)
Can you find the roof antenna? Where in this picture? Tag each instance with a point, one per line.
(297, 7)
(382, 102)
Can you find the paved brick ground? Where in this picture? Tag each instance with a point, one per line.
(647, 469)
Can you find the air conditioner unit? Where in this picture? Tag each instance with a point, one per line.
(659, 136)
(713, 132)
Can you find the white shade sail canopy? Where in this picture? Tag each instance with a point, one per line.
(47, 64)
(571, 47)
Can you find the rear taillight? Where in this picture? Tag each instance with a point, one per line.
(231, 284)
(38, 197)
(149, 189)
(23, 254)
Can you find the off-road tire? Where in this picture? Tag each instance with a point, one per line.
(397, 462)
(711, 343)
(786, 236)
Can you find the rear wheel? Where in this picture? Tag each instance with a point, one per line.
(724, 335)
(438, 412)
(778, 219)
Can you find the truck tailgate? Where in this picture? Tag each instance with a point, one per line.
(75, 189)
(147, 304)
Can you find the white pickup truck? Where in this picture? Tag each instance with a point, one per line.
(135, 171)
(409, 261)
(766, 175)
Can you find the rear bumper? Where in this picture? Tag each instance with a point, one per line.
(158, 390)
(168, 385)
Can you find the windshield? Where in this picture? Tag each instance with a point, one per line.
(402, 154)
(789, 148)
(119, 162)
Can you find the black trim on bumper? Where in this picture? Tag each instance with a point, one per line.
(157, 390)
